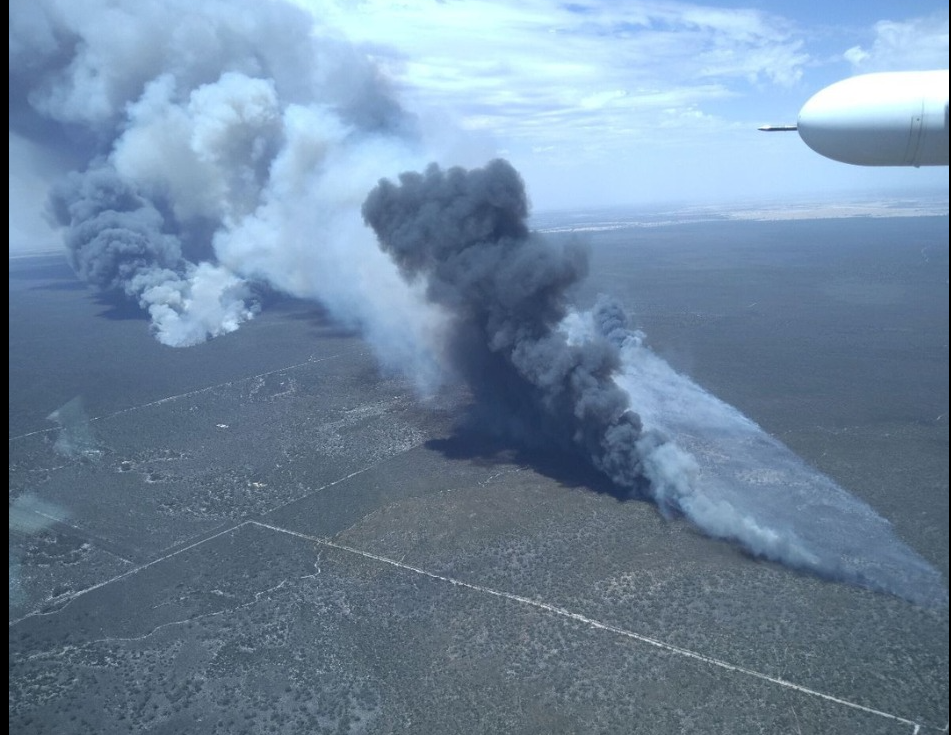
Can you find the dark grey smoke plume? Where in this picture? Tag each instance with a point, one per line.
(464, 233)
(118, 241)
(213, 145)
(545, 372)
(219, 144)
(113, 233)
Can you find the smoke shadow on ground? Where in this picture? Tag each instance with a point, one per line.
(119, 308)
(58, 272)
(322, 324)
(61, 286)
(566, 468)
(317, 316)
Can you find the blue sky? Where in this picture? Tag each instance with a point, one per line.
(599, 102)
(596, 103)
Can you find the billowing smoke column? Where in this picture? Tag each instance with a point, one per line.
(116, 240)
(540, 371)
(464, 233)
(216, 146)
(219, 145)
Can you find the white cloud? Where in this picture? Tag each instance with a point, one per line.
(550, 72)
(917, 44)
(597, 101)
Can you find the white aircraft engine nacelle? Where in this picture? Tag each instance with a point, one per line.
(886, 119)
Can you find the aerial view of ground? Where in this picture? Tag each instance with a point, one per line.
(267, 533)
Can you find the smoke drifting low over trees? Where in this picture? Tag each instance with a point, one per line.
(196, 151)
(541, 372)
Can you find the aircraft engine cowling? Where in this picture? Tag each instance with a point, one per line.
(883, 119)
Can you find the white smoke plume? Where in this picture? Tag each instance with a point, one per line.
(706, 460)
(221, 147)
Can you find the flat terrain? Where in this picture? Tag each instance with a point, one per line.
(266, 534)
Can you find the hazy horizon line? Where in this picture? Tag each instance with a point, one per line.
(623, 216)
